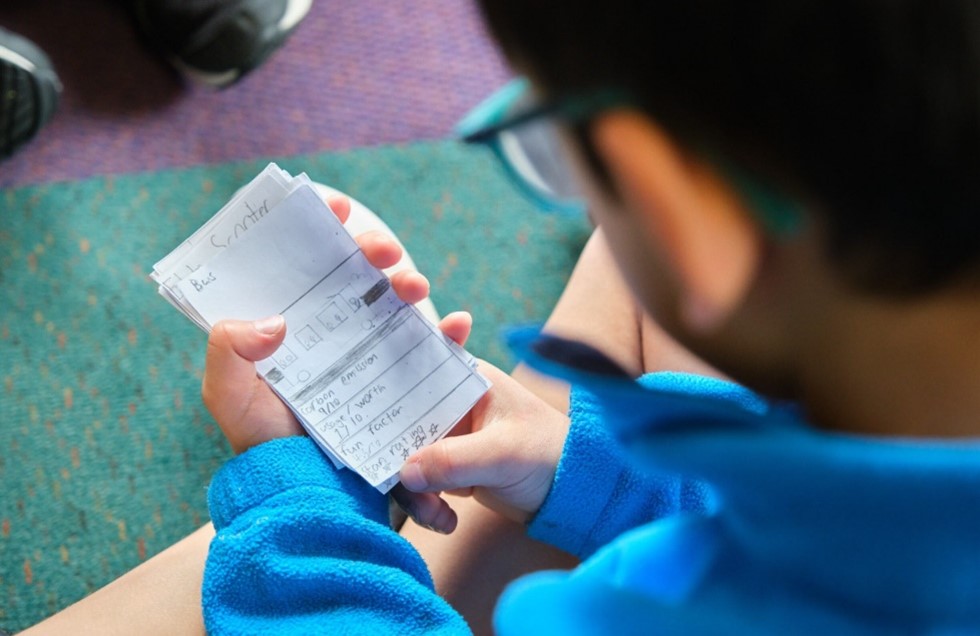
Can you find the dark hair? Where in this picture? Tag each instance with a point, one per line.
(868, 109)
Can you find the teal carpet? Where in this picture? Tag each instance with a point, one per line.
(105, 448)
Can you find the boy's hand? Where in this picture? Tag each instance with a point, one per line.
(242, 404)
(504, 453)
(245, 408)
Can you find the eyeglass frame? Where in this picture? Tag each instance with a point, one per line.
(776, 213)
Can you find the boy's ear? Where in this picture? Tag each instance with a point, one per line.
(695, 218)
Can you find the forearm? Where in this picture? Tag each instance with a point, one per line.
(302, 548)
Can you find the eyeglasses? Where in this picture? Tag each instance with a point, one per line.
(524, 135)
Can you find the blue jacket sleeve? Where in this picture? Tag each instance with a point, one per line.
(302, 548)
(598, 493)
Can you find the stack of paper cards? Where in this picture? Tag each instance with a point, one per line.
(368, 377)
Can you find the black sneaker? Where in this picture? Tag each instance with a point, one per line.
(29, 90)
(217, 41)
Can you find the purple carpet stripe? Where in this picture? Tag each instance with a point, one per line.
(353, 74)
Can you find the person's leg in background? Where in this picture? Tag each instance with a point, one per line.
(216, 42)
(160, 597)
(473, 564)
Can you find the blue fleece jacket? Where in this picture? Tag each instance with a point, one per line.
(801, 531)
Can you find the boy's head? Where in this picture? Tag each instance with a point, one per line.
(869, 111)
(862, 116)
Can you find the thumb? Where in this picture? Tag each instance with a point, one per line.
(464, 462)
(471, 461)
(250, 341)
(452, 463)
(233, 348)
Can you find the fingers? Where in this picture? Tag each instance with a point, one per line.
(468, 465)
(454, 463)
(381, 250)
(508, 458)
(426, 509)
(410, 286)
(340, 206)
(457, 326)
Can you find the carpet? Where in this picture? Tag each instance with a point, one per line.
(105, 448)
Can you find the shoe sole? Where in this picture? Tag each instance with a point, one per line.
(295, 11)
(29, 92)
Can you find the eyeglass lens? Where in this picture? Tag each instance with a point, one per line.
(536, 153)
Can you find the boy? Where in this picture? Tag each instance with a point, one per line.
(790, 191)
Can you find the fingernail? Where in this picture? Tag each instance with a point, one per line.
(412, 477)
(446, 521)
(435, 529)
(269, 325)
